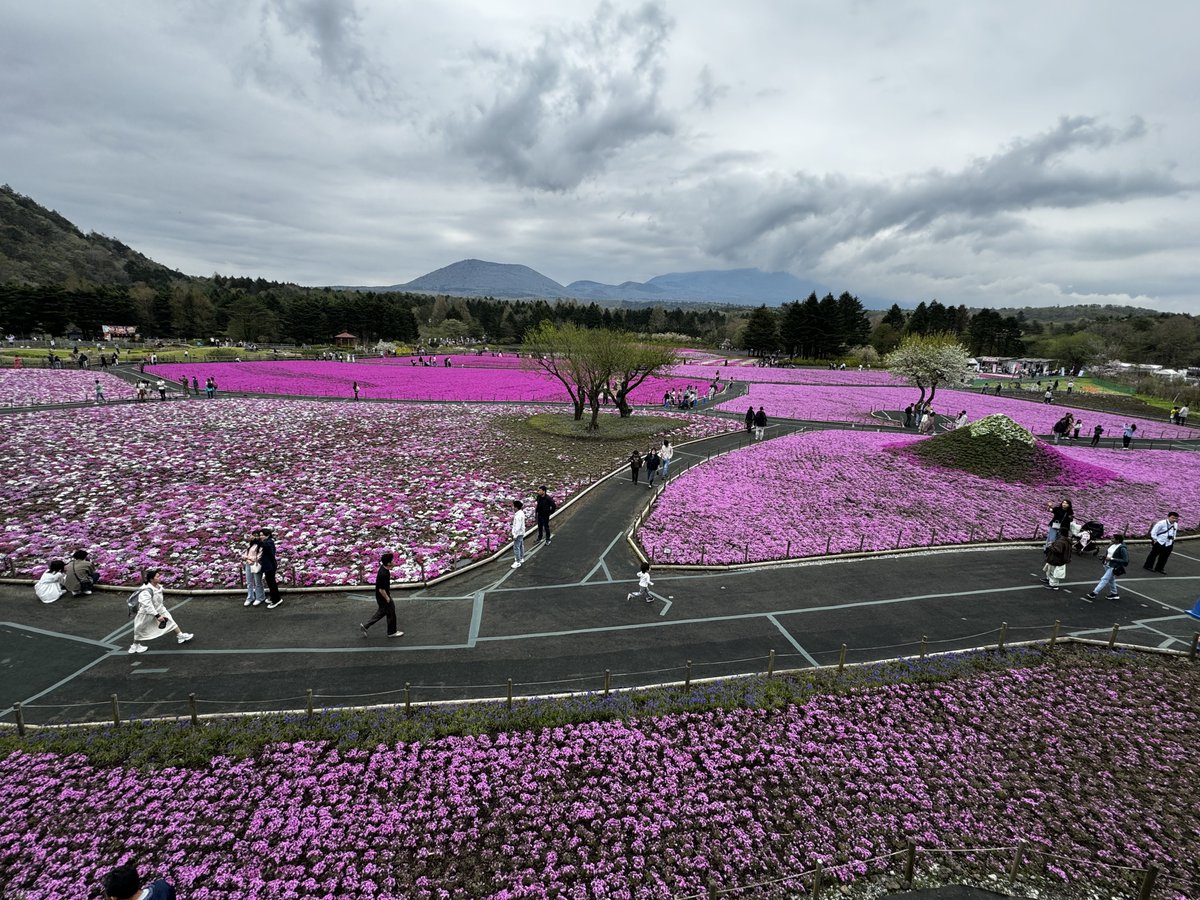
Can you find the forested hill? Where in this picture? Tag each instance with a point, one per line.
(40, 247)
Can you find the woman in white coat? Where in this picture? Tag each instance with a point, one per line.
(152, 619)
(51, 585)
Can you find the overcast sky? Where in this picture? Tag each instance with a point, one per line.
(1016, 153)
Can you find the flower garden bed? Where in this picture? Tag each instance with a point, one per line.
(843, 491)
(176, 485)
(1087, 756)
(376, 381)
(41, 387)
(838, 404)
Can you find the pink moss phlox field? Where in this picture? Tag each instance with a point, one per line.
(175, 485)
(860, 488)
(1088, 762)
(843, 404)
(320, 378)
(771, 375)
(40, 387)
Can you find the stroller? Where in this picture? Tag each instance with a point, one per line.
(1085, 538)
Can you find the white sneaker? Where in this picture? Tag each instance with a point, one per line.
(184, 638)
(515, 565)
(629, 596)
(248, 602)
(138, 648)
(396, 634)
(257, 603)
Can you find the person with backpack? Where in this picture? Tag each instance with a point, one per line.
(635, 465)
(152, 619)
(1115, 561)
(80, 574)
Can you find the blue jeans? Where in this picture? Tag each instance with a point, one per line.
(254, 584)
(519, 547)
(1108, 579)
(662, 468)
(1051, 536)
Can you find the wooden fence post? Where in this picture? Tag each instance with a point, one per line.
(607, 681)
(1054, 635)
(510, 700)
(20, 719)
(1001, 532)
(192, 707)
(116, 711)
(308, 703)
(924, 645)
(1016, 866)
(1003, 635)
(770, 663)
(1147, 885)
(687, 681)
(1192, 649)
(842, 659)
(408, 698)
(816, 891)
(828, 539)
(1112, 638)
(910, 863)
(899, 537)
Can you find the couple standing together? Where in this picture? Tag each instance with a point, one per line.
(260, 565)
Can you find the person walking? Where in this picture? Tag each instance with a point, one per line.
(252, 570)
(356, 392)
(80, 574)
(1183, 414)
(153, 620)
(1057, 557)
(644, 585)
(760, 424)
(518, 533)
(1096, 432)
(1116, 558)
(1048, 397)
(99, 391)
(124, 883)
(1061, 516)
(665, 455)
(749, 419)
(195, 385)
(635, 464)
(1162, 542)
(1128, 434)
(908, 416)
(383, 597)
(161, 387)
(52, 585)
(1173, 415)
(1075, 429)
(653, 461)
(544, 507)
(270, 566)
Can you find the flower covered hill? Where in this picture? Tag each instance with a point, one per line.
(1083, 756)
(175, 485)
(318, 378)
(839, 404)
(805, 375)
(852, 489)
(41, 387)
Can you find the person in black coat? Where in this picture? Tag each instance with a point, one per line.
(749, 419)
(760, 424)
(544, 505)
(652, 462)
(635, 465)
(270, 567)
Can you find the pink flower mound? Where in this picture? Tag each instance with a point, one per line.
(839, 404)
(40, 387)
(175, 486)
(319, 378)
(847, 490)
(1075, 759)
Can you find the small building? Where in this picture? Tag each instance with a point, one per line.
(345, 340)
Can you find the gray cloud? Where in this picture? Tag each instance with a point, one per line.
(562, 110)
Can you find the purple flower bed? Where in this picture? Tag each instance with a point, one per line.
(1087, 761)
(174, 486)
(319, 378)
(834, 404)
(860, 489)
(39, 387)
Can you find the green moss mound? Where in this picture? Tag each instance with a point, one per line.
(993, 447)
(612, 427)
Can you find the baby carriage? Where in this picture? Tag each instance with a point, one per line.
(1085, 538)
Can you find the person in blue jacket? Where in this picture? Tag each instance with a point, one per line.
(124, 883)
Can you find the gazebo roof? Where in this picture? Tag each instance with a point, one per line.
(344, 334)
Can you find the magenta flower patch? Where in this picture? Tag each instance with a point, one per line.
(40, 387)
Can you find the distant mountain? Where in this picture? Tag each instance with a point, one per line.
(40, 247)
(476, 277)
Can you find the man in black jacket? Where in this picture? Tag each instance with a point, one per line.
(545, 505)
(270, 566)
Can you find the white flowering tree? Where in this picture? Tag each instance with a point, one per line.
(929, 360)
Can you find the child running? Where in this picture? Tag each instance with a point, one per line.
(644, 584)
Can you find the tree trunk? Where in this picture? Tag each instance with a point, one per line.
(932, 391)
(594, 425)
(578, 410)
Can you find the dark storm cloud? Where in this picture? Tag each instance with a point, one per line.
(558, 113)
(814, 214)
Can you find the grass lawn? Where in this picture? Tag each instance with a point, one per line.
(612, 427)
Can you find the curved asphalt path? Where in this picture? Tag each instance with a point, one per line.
(559, 622)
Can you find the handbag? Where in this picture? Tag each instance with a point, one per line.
(255, 568)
